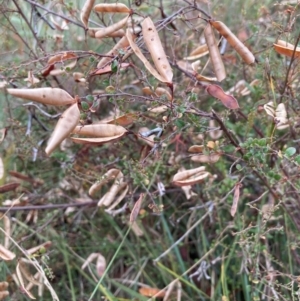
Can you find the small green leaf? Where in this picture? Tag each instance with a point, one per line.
(90, 98)
(289, 152)
(239, 167)
(85, 106)
(114, 66)
(179, 123)
(297, 159)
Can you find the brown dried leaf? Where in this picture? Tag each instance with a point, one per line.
(151, 291)
(65, 125)
(227, 100)
(214, 54)
(136, 209)
(9, 187)
(196, 149)
(3, 286)
(234, 42)
(124, 120)
(47, 96)
(59, 58)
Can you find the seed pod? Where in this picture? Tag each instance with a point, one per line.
(65, 125)
(86, 11)
(214, 54)
(286, 49)
(116, 34)
(110, 29)
(156, 50)
(190, 177)
(112, 8)
(140, 55)
(234, 42)
(46, 96)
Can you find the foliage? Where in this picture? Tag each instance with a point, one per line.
(149, 148)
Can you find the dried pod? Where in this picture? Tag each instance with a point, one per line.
(156, 50)
(65, 125)
(104, 32)
(214, 54)
(86, 11)
(234, 42)
(112, 8)
(46, 96)
(190, 177)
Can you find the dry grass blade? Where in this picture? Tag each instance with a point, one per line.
(140, 55)
(65, 125)
(86, 11)
(110, 29)
(7, 229)
(236, 197)
(156, 50)
(22, 283)
(46, 96)
(112, 8)
(214, 54)
(234, 42)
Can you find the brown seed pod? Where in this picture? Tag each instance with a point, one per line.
(65, 125)
(46, 96)
(234, 42)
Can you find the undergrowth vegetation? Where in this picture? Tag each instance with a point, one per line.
(149, 150)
